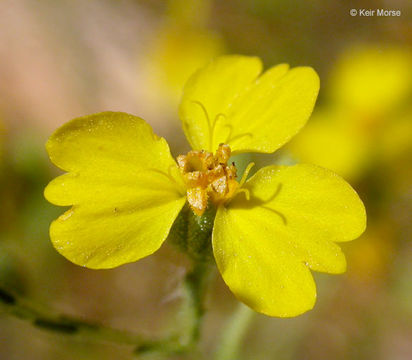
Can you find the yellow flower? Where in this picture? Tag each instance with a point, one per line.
(372, 255)
(182, 44)
(367, 119)
(176, 52)
(126, 190)
(372, 79)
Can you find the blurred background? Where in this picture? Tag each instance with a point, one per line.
(63, 59)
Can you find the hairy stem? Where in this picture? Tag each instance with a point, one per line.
(181, 342)
(233, 333)
(59, 323)
(195, 286)
(190, 315)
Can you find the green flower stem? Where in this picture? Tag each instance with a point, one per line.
(234, 332)
(58, 323)
(190, 315)
(195, 286)
(192, 234)
(192, 312)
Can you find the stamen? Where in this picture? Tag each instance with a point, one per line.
(237, 137)
(231, 139)
(212, 132)
(169, 176)
(283, 217)
(230, 127)
(275, 194)
(246, 192)
(220, 115)
(246, 173)
(209, 124)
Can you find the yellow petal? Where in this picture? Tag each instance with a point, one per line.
(272, 111)
(260, 270)
(265, 247)
(214, 88)
(225, 102)
(124, 186)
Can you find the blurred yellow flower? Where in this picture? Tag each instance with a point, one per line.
(182, 44)
(177, 51)
(372, 79)
(373, 252)
(126, 190)
(331, 140)
(364, 120)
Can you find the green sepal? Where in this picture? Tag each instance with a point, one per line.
(192, 233)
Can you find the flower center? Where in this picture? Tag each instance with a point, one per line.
(208, 177)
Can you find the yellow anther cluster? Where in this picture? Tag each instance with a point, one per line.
(208, 176)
